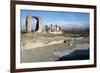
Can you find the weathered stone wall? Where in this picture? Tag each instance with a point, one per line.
(28, 23)
(38, 24)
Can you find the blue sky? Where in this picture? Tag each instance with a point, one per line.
(63, 19)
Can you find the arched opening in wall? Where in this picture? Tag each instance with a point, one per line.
(33, 24)
(23, 27)
(37, 24)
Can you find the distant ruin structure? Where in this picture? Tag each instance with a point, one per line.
(46, 28)
(38, 24)
(53, 29)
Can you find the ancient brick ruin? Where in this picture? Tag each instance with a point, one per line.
(52, 28)
(38, 24)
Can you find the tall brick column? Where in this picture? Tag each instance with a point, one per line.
(28, 23)
(39, 24)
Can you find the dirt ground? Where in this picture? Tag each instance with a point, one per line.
(41, 47)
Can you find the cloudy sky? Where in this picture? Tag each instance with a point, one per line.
(63, 19)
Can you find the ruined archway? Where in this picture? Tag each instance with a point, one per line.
(38, 24)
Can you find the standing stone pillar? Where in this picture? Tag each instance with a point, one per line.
(59, 28)
(28, 23)
(39, 24)
(55, 28)
(46, 28)
(51, 28)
